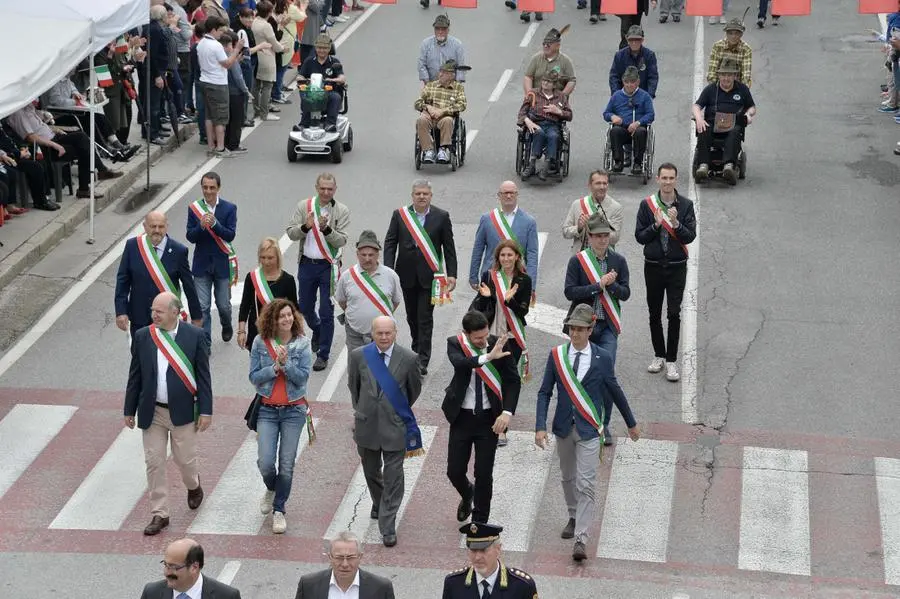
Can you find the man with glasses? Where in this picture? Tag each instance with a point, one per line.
(182, 564)
(551, 59)
(344, 578)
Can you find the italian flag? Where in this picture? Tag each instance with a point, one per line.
(104, 79)
(121, 46)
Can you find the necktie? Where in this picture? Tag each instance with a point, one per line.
(383, 356)
(183, 596)
(664, 237)
(487, 589)
(577, 363)
(478, 394)
(156, 247)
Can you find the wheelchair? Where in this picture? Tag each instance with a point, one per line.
(523, 150)
(315, 140)
(646, 165)
(716, 155)
(457, 144)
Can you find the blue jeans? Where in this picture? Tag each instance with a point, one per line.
(279, 79)
(284, 424)
(314, 278)
(205, 287)
(546, 138)
(604, 336)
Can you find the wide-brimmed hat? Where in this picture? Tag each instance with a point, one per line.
(555, 35)
(368, 239)
(323, 41)
(729, 65)
(634, 32)
(441, 21)
(582, 316)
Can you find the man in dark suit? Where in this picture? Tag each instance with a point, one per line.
(138, 280)
(478, 374)
(598, 277)
(412, 258)
(582, 373)
(211, 226)
(381, 430)
(487, 575)
(170, 392)
(182, 564)
(345, 553)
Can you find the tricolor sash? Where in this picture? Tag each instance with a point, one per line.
(657, 207)
(310, 429)
(399, 401)
(588, 205)
(371, 290)
(261, 286)
(513, 322)
(488, 372)
(199, 208)
(331, 253)
(175, 357)
(440, 293)
(591, 267)
(501, 225)
(155, 267)
(580, 398)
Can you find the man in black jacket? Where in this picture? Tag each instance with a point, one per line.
(665, 226)
(479, 402)
(182, 563)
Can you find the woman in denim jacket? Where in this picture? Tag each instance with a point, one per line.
(280, 361)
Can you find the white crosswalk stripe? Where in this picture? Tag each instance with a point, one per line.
(24, 433)
(887, 481)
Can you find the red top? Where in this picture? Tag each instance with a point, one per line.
(279, 395)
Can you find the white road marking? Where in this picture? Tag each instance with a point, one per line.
(334, 377)
(529, 33)
(470, 137)
(547, 319)
(116, 483)
(887, 481)
(229, 571)
(774, 511)
(353, 513)
(498, 89)
(542, 243)
(24, 433)
(355, 25)
(639, 501)
(233, 506)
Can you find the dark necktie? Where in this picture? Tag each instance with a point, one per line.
(487, 589)
(479, 394)
(577, 363)
(383, 357)
(156, 247)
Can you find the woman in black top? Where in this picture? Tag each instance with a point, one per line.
(280, 283)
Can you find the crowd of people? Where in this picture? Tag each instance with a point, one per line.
(890, 90)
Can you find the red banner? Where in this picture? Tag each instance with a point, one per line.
(868, 7)
(791, 8)
(536, 5)
(459, 3)
(703, 8)
(618, 7)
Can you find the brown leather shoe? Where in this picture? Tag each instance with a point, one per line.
(195, 497)
(109, 174)
(156, 525)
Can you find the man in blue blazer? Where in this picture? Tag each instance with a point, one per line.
(138, 280)
(582, 373)
(169, 394)
(524, 229)
(211, 227)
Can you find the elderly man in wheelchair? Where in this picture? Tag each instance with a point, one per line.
(333, 82)
(439, 103)
(721, 112)
(543, 114)
(629, 112)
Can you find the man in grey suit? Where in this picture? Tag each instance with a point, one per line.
(385, 382)
(345, 554)
(182, 564)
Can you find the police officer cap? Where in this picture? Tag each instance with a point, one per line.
(582, 316)
(597, 224)
(368, 239)
(735, 25)
(480, 535)
(555, 35)
(323, 41)
(635, 32)
(729, 65)
(441, 21)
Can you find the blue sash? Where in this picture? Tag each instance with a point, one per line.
(395, 395)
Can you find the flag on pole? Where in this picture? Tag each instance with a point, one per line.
(791, 8)
(104, 79)
(703, 8)
(618, 7)
(536, 5)
(868, 7)
(459, 3)
(121, 46)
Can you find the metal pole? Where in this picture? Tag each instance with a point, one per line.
(91, 97)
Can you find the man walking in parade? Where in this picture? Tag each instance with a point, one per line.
(575, 226)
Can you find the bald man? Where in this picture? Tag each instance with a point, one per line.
(152, 263)
(182, 565)
(169, 396)
(506, 221)
(385, 382)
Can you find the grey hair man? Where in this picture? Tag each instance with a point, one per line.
(344, 551)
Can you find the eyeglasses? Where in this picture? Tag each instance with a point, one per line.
(344, 558)
(547, 44)
(169, 566)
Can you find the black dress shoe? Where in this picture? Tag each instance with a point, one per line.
(389, 540)
(569, 531)
(374, 513)
(195, 497)
(48, 205)
(464, 510)
(579, 553)
(320, 364)
(227, 333)
(156, 525)
(314, 343)
(423, 370)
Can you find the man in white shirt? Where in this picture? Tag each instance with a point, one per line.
(487, 571)
(182, 564)
(344, 580)
(214, 65)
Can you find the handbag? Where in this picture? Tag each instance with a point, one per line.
(252, 414)
(723, 122)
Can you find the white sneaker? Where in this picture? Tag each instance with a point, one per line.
(272, 117)
(656, 365)
(722, 20)
(342, 18)
(265, 504)
(279, 524)
(672, 372)
(713, 20)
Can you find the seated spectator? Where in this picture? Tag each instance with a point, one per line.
(332, 72)
(19, 159)
(542, 114)
(630, 110)
(61, 145)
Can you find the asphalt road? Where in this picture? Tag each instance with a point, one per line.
(795, 339)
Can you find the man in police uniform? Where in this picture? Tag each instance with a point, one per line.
(487, 574)
(332, 72)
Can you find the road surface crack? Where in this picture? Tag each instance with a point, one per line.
(720, 427)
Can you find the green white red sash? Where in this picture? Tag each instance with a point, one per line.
(488, 372)
(331, 253)
(371, 290)
(175, 357)
(199, 208)
(261, 286)
(501, 225)
(310, 429)
(588, 205)
(440, 293)
(513, 322)
(657, 207)
(580, 398)
(592, 268)
(156, 269)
